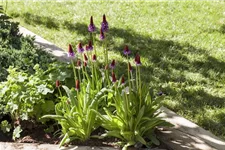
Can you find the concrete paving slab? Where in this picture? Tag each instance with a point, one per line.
(187, 133)
(49, 47)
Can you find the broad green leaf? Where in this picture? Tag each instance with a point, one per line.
(43, 89)
(16, 132)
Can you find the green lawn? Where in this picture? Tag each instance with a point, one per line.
(182, 46)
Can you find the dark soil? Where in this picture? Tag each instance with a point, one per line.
(38, 135)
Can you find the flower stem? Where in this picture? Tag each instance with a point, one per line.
(60, 93)
(128, 74)
(139, 76)
(74, 70)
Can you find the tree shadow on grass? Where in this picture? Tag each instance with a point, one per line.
(41, 20)
(222, 29)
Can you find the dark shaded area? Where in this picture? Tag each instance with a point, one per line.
(222, 29)
(41, 20)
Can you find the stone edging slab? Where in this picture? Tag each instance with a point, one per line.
(185, 135)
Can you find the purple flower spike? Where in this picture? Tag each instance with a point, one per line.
(90, 47)
(77, 86)
(113, 77)
(70, 51)
(126, 50)
(113, 64)
(57, 83)
(102, 36)
(104, 25)
(94, 58)
(85, 58)
(80, 48)
(130, 68)
(79, 63)
(122, 80)
(137, 60)
(91, 27)
(86, 48)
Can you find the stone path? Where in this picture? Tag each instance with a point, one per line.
(185, 135)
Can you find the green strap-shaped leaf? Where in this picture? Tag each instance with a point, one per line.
(56, 117)
(64, 140)
(70, 95)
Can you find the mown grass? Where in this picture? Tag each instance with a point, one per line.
(182, 46)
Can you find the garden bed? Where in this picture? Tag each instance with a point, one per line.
(32, 136)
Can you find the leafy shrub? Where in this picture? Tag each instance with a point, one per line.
(18, 51)
(28, 97)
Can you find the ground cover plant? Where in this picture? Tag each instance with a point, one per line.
(18, 51)
(181, 44)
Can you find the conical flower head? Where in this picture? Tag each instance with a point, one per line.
(85, 58)
(113, 64)
(122, 80)
(70, 51)
(104, 24)
(113, 77)
(77, 87)
(94, 58)
(91, 27)
(78, 63)
(57, 83)
(137, 60)
(90, 46)
(102, 36)
(126, 50)
(130, 67)
(85, 64)
(80, 48)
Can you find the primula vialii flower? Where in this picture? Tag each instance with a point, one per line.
(78, 63)
(85, 58)
(122, 80)
(130, 67)
(89, 47)
(126, 50)
(77, 85)
(113, 77)
(85, 64)
(70, 51)
(104, 24)
(94, 58)
(102, 36)
(91, 27)
(80, 48)
(57, 83)
(137, 60)
(113, 64)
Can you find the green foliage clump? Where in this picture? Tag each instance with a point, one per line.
(29, 96)
(18, 51)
